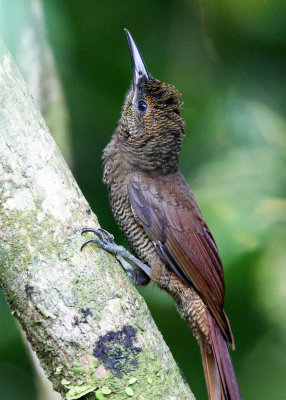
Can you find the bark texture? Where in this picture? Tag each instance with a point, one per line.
(89, 326)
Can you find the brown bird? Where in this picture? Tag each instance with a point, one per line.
(162, 222)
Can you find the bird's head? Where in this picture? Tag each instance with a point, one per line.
(151, 128)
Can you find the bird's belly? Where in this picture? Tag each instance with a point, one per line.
(134, 233)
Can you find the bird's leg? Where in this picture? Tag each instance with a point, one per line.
(105, 240)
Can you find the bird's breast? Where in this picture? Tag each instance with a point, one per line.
(134, 233)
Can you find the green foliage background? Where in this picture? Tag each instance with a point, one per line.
(228, 59)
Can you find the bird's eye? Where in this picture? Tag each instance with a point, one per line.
(142, 106)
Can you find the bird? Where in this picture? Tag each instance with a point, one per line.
(159, 216)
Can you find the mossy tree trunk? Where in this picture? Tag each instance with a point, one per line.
(89, 326)
(22, 25)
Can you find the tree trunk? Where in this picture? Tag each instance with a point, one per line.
(89, 326)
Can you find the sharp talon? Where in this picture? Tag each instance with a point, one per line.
(87, 242)
(102, 234)
(85, 230)
(105, 240)
(82, 246)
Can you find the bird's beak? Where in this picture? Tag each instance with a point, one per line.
(139, 69)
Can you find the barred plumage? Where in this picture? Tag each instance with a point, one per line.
(162, 222)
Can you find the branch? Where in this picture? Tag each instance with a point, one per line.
(88, 325)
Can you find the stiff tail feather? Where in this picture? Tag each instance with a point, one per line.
(219, 373)
(211, 373)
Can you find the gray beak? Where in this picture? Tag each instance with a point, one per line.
(139, 69)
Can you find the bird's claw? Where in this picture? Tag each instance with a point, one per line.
(102, 234)
(103, 237)
(106, 240)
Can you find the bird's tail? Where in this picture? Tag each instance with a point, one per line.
(219, 373)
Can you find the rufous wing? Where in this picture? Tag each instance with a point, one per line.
(170, 216)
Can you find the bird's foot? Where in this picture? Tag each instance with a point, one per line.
(105, 240)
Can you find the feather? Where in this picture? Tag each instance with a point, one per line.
(223, 362)
(170, 215)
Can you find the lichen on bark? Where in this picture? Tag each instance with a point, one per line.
(89, 326)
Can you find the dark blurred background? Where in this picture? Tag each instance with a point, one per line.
(228, 59)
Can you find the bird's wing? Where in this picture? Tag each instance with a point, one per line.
(170, 216)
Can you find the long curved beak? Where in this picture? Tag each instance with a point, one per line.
(139, 68)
